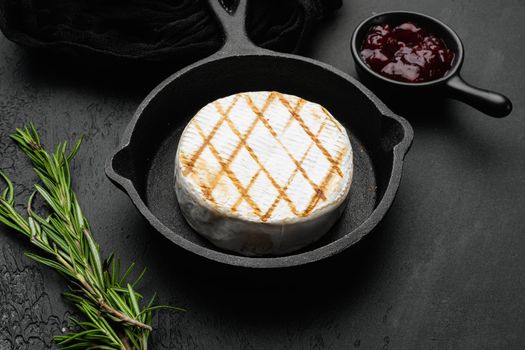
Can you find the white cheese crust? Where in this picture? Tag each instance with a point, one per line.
(263, 173)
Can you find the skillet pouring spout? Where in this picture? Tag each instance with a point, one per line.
(143, 165)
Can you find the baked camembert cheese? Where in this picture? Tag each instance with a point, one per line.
(263, 173)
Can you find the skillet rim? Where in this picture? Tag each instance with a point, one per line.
(399, 151)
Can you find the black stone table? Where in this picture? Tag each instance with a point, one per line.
(444, 270)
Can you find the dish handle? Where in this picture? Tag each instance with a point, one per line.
(492, 103)
(236, 38)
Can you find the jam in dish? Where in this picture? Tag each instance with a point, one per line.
(406, 53)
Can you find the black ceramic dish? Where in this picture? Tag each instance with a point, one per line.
(143, 165)
(451, 85)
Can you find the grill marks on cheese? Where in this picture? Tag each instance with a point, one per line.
(212, 183)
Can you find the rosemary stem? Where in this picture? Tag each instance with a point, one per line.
(124, 318)
(125, 342)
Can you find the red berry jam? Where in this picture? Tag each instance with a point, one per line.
(406, 53)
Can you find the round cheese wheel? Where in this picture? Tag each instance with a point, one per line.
(263, 173)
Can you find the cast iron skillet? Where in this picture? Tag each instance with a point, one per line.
(143, 164)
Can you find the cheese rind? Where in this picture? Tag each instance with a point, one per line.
(262, 172)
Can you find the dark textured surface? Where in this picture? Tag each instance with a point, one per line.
(445, 270)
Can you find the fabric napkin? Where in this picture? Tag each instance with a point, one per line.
(177, 31)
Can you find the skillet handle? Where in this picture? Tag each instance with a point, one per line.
(234, 25)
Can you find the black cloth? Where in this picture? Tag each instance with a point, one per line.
(153, 30)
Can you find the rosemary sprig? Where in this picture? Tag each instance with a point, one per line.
(106, 297)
